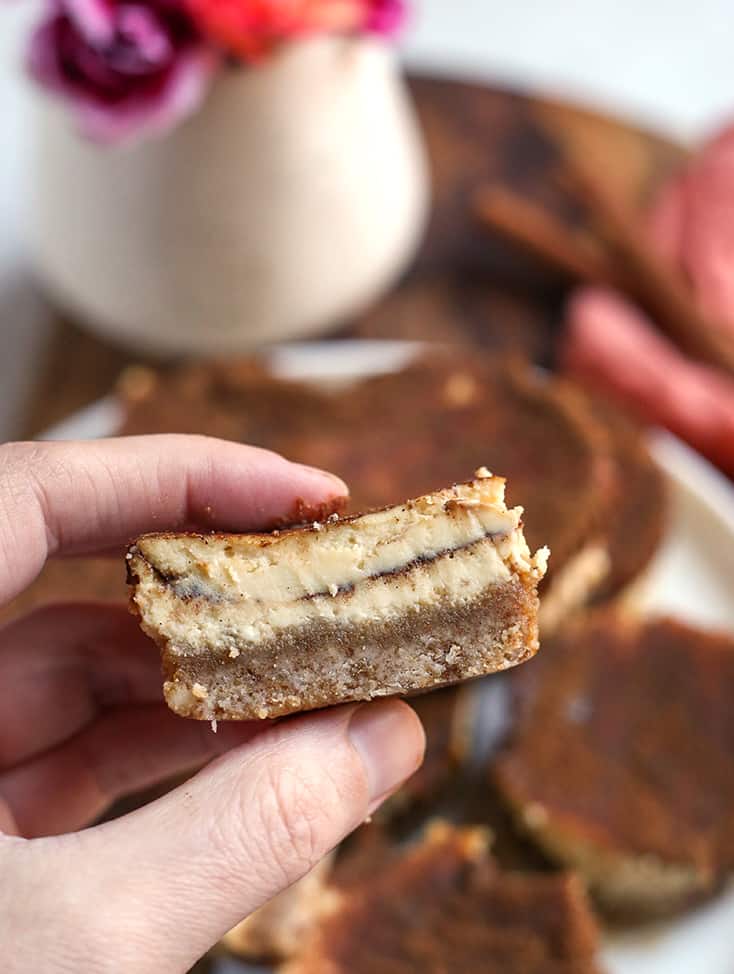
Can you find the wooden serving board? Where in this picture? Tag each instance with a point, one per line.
(464, 285)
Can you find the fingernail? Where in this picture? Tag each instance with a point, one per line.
(390, 741)
(337, 484)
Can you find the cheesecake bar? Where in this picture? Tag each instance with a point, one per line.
(443, 906)
(432, 592)
(620, 760)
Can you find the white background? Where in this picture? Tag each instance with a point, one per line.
(664, 62)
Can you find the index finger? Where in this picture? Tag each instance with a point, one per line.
(82, 497)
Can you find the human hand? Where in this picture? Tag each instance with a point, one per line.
(82, 723)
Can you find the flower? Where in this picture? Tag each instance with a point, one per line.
(127, 67)
(251, 28)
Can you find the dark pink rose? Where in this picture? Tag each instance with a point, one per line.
(126, 68)
(385, 16)
(614, 349)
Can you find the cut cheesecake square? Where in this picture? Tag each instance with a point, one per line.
(434, 591)
(619, 761)
(443, 907)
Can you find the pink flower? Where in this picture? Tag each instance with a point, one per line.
(250, 29)
(385, 16)
(127, 67)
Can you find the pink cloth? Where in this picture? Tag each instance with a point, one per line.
(693, 223)
(610, 345)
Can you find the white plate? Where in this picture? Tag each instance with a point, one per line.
(692, 577)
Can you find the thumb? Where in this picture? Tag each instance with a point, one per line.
(177, 874)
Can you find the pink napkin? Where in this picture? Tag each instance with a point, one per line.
(610, 344)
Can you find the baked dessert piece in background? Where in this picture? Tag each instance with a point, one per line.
(447, 716)
(238, 400)
(438, 590)
(638, 502)
(443, 905)
(276, 931)
(620, 760)
(457, 308)
(421, 427)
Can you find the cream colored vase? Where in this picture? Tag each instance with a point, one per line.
(292, 199)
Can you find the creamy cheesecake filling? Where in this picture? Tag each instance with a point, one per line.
(457, 577)
(349, 552)
(451, 545)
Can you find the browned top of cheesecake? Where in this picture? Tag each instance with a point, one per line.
(444, 906)
(624, 737)
(457, 309)
(236, 400)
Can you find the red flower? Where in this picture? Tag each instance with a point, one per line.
(251, 28)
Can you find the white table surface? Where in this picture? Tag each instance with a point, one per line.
(664, 62)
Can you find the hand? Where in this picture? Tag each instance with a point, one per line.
(82, 722)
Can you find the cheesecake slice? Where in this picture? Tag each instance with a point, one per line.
(434, 591)
(442, 906)
(619, 760)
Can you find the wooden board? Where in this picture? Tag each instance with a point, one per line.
(464, 285)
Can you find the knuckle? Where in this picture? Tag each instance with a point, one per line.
(24, 460)
(23, 466)
(17, 461)
(294, 812)
(26, 469)
(292, 815)
(22, 452)
(285, 812)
